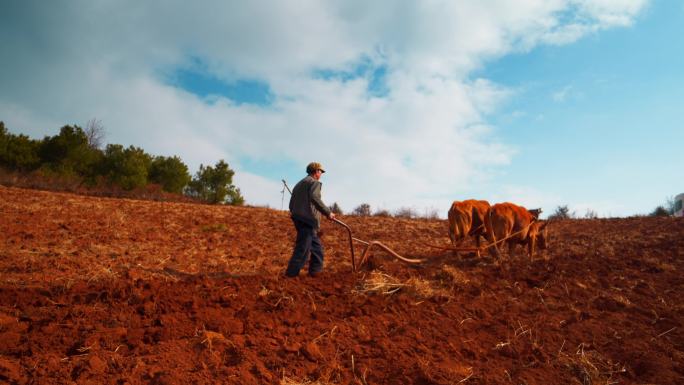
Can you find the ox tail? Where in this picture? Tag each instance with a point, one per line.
(490, 235)
(453, 228)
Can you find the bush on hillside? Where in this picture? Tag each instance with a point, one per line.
(382, 213)
(73, 160)
(660, 211)
(125, 167)
(169, 172)
(18, 152)
(69, 153)
(406, 213)
(362, 210)
(664, 210)
(335, 208)
(561, 213)
(215, 185)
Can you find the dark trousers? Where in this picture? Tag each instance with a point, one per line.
(307, 243)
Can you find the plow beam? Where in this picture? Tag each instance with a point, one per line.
(370, 245)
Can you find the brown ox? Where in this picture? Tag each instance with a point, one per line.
(466, 218)
(535, 213)
(515, 224)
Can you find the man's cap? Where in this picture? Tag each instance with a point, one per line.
(313, 166)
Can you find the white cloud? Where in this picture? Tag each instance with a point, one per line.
(529, 197)
(562, 94)
(419, 145)
(263, 190)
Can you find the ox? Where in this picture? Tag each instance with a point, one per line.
(466, 218)
(535, 213)
(517, 225)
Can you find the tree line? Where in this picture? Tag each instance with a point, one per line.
(561, 212)
(77, 153)
(364, 210)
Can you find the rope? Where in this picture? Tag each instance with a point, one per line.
(503, 239)
(449, 248)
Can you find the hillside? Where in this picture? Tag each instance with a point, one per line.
(116, 291)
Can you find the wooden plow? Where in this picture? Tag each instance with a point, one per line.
(476, 250)
(369, 246)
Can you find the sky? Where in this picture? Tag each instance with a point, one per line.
(407, 104)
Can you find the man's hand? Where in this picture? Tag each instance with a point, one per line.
(331, 216)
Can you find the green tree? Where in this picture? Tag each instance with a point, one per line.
(127, 168)
(18, 152)
(170, 172)
(215, 185)
(69, 152)
(4, 139)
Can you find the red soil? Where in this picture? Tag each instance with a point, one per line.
(99, 290)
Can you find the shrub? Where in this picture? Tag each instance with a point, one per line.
(431, 214)
(171, 173)
(335, 208)
(362, 210)
(561, 213)
(69, 153)
(665, 210)
(590, 214)
(18, 152)
(405, 212)
(214, 185)
(382, 213)
(127, 168)
(660, 211)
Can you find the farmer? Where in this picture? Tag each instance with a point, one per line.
(306, 207)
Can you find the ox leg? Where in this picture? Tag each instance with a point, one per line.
(454, 244)
(530, 248)
(477, 244)
(493, 248)
(454, 240)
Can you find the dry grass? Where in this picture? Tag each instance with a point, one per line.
(426, 288)
(589, 366)
(454, 276)
(380, 283)
(292, 381)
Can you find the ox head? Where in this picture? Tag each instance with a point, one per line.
(541, 234)
(535, 213)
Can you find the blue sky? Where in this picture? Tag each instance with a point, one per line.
(600, 120)
(407, 104)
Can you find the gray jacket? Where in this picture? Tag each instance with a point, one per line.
(306, 204)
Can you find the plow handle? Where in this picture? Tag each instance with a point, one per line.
(351, 244)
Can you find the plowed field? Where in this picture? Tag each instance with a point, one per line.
(115, 291)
